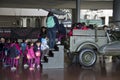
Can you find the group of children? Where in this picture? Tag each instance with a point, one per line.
(32, 53)
(79, 26)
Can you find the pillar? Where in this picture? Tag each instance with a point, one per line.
(37, 22)
(43, 21)
(21, 22)
(76, 13)
(74, 16)
(31, 25)
(116, 13)
(78, 10)
(32, 22)
(107, 20)
(24, 22)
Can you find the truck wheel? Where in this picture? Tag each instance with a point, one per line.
(87, 57)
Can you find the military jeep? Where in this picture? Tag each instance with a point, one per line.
(88, 44)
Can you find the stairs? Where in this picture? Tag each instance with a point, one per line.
(57, 61)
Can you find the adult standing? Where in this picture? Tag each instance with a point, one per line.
(52, 24)
(2, 43)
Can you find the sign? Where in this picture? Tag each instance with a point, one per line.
(19, 33)
(6, 33)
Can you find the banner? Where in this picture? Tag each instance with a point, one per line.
(19, 33)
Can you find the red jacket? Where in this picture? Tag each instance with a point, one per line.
(84, 28)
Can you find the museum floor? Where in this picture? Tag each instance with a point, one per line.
(101, 71)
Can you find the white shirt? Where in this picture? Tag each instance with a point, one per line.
(44, 44)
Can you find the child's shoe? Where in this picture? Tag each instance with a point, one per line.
(13, 68)
(38, 66)
(31, 68)
(26, 66)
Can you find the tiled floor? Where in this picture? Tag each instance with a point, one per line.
(108, 71)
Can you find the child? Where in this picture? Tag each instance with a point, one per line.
(14, 55)
(37, 51)
(74, 27)
(44, 47)
(42, 32)
(84, 27)
(24, 53)
(6, 52)
(30, 55)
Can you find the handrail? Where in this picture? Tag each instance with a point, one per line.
(96, 37)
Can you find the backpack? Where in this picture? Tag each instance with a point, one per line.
(14, 52)
(62, 29)
(23, 46)
(50, 22)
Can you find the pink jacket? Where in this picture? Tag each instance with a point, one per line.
(31, 52)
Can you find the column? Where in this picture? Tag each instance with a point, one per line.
(32, 22)
(107, 20)
(21, 22)
(74, 16)
(78, 10)
(24, 22)
(44, 21)
(116, 12)
(76, 13)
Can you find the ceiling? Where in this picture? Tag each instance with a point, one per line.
(85, 4)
